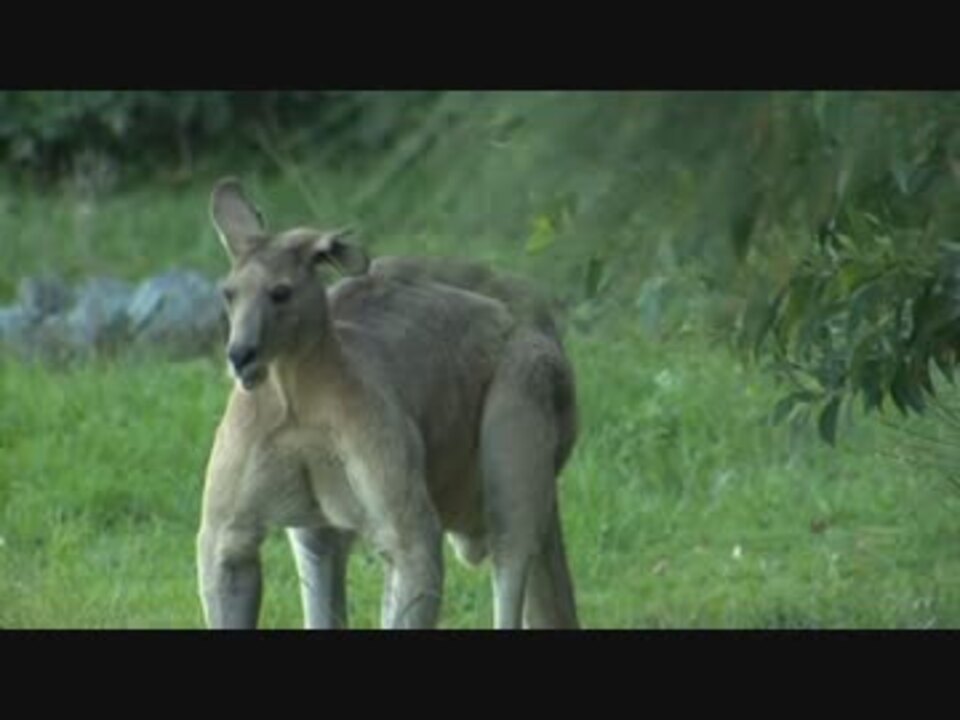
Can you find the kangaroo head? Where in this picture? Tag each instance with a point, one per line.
(275, 295)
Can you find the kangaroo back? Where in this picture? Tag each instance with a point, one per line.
(524, 302)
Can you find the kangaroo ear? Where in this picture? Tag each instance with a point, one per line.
(237, 220)
(333, 249)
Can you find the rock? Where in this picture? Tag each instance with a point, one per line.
(43, 296)
(179, 313)
(98, 320)
(52, 341)
(42, 328)
(13, 325)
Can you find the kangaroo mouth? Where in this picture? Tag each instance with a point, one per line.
(250, 375)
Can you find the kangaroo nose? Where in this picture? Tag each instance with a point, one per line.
(241, 356)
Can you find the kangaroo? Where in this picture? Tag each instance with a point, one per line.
(410, 400)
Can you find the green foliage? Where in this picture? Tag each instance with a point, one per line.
(874, 304)
(143, 134)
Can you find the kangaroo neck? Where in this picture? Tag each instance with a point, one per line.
(314, 379)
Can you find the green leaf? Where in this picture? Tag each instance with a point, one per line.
(898, 395)
(906, 392)
(872, 392)
(923, 375)
(827, 424)
(798, 305)
(786, 405)
(766, 321)
(944, 361)
(933, 313)
(543, 235)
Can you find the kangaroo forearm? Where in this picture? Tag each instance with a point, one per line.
(231, 594)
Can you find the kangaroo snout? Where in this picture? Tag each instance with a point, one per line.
(247, 368)
(241, 356)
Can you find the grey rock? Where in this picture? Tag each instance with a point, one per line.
(49, 339)
(179, 313)
(53, 340)
(13, 325)
(98, 320)
(43, 296)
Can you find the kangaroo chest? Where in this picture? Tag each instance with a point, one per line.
(309, 479)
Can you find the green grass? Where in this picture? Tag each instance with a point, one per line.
(683, 507)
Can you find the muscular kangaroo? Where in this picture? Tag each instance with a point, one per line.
(409, 400)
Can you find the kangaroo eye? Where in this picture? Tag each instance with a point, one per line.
(228, 294)
(281, 293)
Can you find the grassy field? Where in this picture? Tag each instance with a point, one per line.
(683, 507)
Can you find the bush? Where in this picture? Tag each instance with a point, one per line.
(50, 134)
